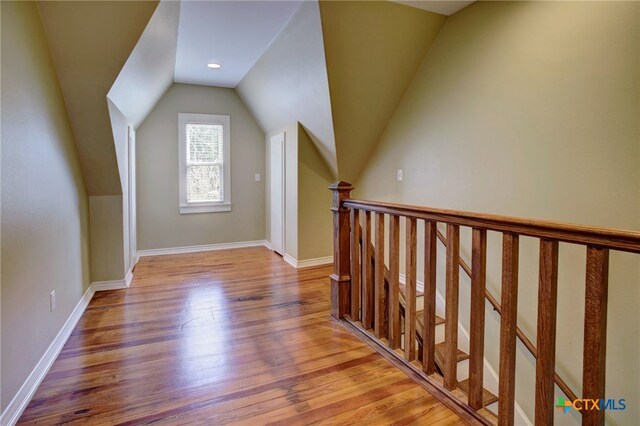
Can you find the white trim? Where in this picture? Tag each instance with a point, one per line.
(205, 208)
(205, 247)
(520, 416)
(20, 401)
(109, 285)
(274, 139)
(129, 277)
(290, 260)
(133, 238)
(307, 263)
(114, 284)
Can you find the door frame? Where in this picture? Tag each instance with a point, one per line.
(281, 136)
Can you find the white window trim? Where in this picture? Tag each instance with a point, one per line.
(204, 207)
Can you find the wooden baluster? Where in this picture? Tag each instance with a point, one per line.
(355, 265)
(476, 342)
(367, 274)
(380, 322)
(429, 320)
(394, 285)
(547, 304)
(451, 308)
(595, 331)
(508, 324)
(410, 292)
(340, 278)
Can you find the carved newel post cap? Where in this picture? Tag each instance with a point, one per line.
(341, 186)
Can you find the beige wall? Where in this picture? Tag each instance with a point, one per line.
(107, 245)
(89, 53)
(531, 109)
(45, 219)
(373, 49)
(160, 224)
(315, 220)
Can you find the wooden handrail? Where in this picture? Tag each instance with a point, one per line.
(523, 337)
(381, 316)
(614, 239)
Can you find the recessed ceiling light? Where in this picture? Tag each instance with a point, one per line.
(213, 66)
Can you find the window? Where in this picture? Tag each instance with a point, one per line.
(205, 166)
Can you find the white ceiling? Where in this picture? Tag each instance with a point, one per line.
(233, 34)
(442, 7)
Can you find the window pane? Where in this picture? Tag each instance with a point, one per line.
(204, 143)
(204, 183)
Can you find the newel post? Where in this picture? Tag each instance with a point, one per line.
(341, 278)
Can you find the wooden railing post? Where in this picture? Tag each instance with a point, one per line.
(547, 309)
(368, 294)
(355, 265)
(394, 283)
(341, 278)
(380, 296)
(508, 321)
(429, 313)
(451, 308)
(476, 321)
(410, 290)
(595, 331)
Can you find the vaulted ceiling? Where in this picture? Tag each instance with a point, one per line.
(339, 68)
(89, 43)
(233, 34)
(289, 85)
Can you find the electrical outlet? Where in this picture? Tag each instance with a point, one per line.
(257, 177)
(399, 175)
(52, 301)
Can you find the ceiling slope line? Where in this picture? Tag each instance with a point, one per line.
(373, 50)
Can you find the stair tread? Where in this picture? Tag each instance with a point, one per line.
(440, 353)
(420, 318)
(487, 397)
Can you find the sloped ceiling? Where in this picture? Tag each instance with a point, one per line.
(148, 72)
(89, 43)
(373, 49)
(233, 34)
(289, 83)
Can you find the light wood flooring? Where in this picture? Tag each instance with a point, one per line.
(224, 337)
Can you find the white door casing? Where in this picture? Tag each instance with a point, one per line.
(277, 193)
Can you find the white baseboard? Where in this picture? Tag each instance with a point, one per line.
(114, 284)
(491, 379)
(20, 401)
(205, 247)
(307, 263)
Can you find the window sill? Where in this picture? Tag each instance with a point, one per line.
(205, 208)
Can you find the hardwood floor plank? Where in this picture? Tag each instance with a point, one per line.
(224, 337)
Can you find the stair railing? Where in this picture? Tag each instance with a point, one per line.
(359, 295)
(564, 387)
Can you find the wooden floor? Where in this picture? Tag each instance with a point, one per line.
(224, 337)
